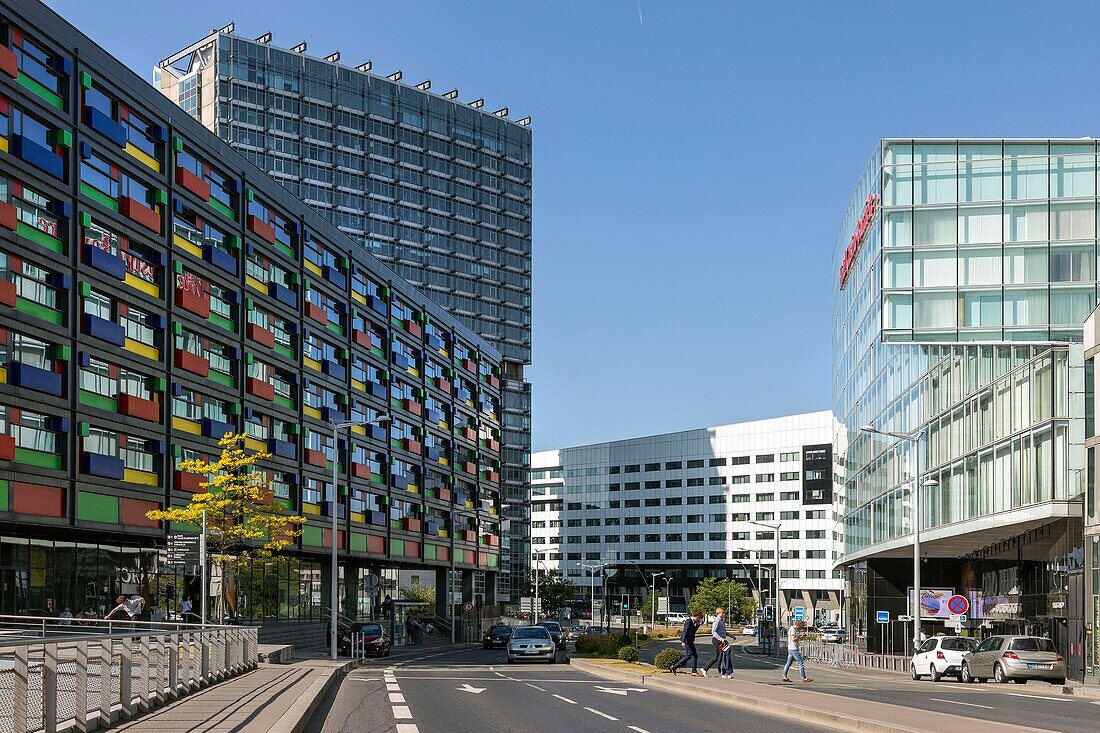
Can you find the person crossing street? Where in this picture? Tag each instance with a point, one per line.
(721, 646)
(687, 641)
(794, 654)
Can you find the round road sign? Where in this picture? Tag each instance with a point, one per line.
(958, 605)
(467, 606)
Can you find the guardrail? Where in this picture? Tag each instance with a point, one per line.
(40, 627)
(84, 683)
(844, 655)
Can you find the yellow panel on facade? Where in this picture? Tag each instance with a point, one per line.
(255, 284)
(444, 533)
(313, 509)
(256, 445)
(312, 267)
(187, 246)
(136, 347)
(359, 298)
(414, 372)
(312, 363)
(139, 154)
(3, 145)
(186, 426)
(443, 461)
(144, 478)
(469, 505)
(359, 517)
(362, 387)
(3, 376)
(413, 488)
(144, 286)
(358, 429)
(311, 412)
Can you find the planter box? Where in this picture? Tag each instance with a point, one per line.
(185, 481)
(260, 335)
(192, 362)
(316, 457)
(139, 408)
(260, 388)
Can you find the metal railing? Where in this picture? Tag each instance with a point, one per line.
(83, 682)
(848, 655)
(40, 627)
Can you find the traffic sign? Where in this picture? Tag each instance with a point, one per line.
(883, 617)
(958, 605)
(760, 613)
(183, 549)
(958, 618)
(799, 613)
(467, 606)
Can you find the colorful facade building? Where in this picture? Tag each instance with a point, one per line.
(157, 290)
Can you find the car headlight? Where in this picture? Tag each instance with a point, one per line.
(377, 642)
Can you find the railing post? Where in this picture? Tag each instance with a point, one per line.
(81, 703)
(146, 673)
(20, 686)
(49, 688)
(162, 668)
(126, 678)
(204, 651)
(173, 666)
(106, 697)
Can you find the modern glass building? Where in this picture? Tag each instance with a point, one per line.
(438, 189)
(1090, 599)
(965, 269)
(692, 505)
(158, 290)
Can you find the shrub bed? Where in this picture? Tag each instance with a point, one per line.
(666, 658)
(629, 653)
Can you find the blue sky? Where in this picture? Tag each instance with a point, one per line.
(691, 164)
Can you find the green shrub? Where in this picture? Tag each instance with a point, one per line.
(643, 637)
(625, 640)
(629, 653)
(666, 658)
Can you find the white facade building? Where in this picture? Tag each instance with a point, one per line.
(688, 505)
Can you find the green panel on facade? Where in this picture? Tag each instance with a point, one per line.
(98, 196)
(397, 548)
(37, 458)
(335, 328)
(285, 504)
(285, 402)
(41, 91)
(38, 310)
(219, 206)
(5, 496)
(284, 249)
(358, 542)
(222, 322)
(313, 536)
(494, 560)
(92, 399)
(40, 237)
(429, 552)
(96, 507)
(285, 351)
(220, 378)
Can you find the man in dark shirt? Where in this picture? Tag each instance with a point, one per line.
(687, 641)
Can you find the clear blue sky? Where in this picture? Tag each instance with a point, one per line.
(691, 166)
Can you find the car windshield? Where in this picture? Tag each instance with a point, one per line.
(551, 625)
(958, 645)
(498, 630)
(531, 632)
(1032, 644)
(371, 629)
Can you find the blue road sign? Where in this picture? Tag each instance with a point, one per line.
(799, 613)
(760, 613)
(883, 617)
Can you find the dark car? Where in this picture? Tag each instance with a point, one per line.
(496, 636)
(369, 639)
(555, 632)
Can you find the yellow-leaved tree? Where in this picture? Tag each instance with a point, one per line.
(242, 519)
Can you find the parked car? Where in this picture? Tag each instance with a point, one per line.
(496, 636)
(376, 642)
(748, 631)
(531, 642)
(834, 635)
(595, 630)
(1016, 658)
(674, 619)
(940, 656)
(555, 632)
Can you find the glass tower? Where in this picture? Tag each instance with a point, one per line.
(438, 189)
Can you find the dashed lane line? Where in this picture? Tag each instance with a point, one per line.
(396, 697)
(407, 728)
(402, 712)
(634, 728)
(540, 689)
(960, 702)
(394, 687)
(594, 711)
(1041, 697)
(565, 699)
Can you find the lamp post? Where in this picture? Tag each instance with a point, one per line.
(914, 439)
(334, 508)
(592, 586)
(776, 598)
(653, 606)
(668, 596)
(759, 576)
(538, 560)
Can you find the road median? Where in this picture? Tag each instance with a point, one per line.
(795, 702)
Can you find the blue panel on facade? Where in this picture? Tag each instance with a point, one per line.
(331, 414)
(377, 390)
(326, 509)
(377, 518)
(434, 341)
(334, 276)
(401, 361)
(31, 377)
(103, 124)
(377, 304)
(94, 464)
(399, 480)
(376, 432)
(432, 453)
(281, 448)
(104, 330)
(434, 415)
(334, 369)
(219, 258)
(215, 428)
(104, 261)
(283, 294)
(39, 156)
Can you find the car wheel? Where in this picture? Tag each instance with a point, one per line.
(999, 673)
(964, 676)
(1020, 681)
(913, 671)
(934, 673)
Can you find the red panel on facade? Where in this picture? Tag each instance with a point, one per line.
(468, 466)
(45, 501)
(7, 293)
(339, 538)
(316, 457)
(469, 365)
(193, 183)
(197, 303)
(9, 64)
(261, 228)
(186, 481)
(362, 338)
(133, 511)
(469, 557)
(412, 549)
(192, 362)
(443, 384)
(139, 212)
(317, 313)
(260, 388)
(443, 494)
(261, 335)
(469, 535)
(468, 434)
(413, 328)
(137, 407)
(411, 524)
(7, 448)
(412, 446)
(9, 216)
(376, 544)
(361, 470)
(442, 553)
(413, 406)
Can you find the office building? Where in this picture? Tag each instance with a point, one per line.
(965, 269)
(1090, 598)
(438, 188)
(158, 290)
(692, 505)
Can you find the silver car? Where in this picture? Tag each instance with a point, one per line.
(1016, 658)
(531, 642)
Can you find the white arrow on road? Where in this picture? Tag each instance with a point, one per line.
(470, 688)
(619, 690)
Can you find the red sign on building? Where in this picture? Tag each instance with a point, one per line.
(870, 208)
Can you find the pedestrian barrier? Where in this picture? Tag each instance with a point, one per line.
(86, 682)
(845, 655)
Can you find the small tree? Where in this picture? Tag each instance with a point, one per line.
(733, 596)
(646, 609)
(555, 591)
(241, 516)
(418, 592)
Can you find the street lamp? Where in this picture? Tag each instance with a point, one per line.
(653, 606)
(334, 508)
(914, 439)
(538, 560)
(759, 575)
(592, 586)
(668, 596)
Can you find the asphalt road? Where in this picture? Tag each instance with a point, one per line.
(1035, 704)
(475, 691)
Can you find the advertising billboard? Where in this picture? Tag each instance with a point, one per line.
(933, 601)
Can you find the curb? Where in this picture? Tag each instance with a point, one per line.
(802, 714)
(295, 719)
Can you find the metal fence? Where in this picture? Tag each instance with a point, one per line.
(848, 655)
(85, 682)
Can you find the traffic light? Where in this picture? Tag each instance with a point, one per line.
(626, 602)
(769, 613)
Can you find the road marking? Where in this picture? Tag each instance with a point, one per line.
(619, 690)
(540, 689)
(565, 699)
(594, 711)
(401, 711)
(397, 697)
(393, 687)
(471, 688)
(634, 728)
(1041, 697)
(498, 674)
(958, 702)
(407, 728)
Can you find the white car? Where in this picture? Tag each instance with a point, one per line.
(531, 642)
(834, 635)
(941, 655)
(675, 619)
(748, 631)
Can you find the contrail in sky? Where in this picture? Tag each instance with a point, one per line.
(640, 21)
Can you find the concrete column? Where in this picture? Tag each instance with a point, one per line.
(441, 591)
(350, 599)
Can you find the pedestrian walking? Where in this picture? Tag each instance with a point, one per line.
(721, 647)
(794, 636)
(687, 641)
